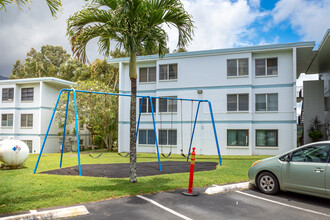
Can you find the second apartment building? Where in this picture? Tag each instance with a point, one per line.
(26, 107)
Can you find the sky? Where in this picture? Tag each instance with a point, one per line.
(219, 24)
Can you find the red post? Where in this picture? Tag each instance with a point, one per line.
(191, 177)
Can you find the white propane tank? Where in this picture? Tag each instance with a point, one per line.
(13, 152)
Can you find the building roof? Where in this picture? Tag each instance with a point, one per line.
(308, 44)
(51, 80)
(320, 62)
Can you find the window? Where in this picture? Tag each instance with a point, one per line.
(146, 136)
(29, 144)
(168, 105)
(147, 74)
(267, 102)
(238, 67)
(267, 138)
(27, 94)
(146, 105)
(167, 137)
(266, 67)
(26, 120)
(7, 120)
(8, 94)
(238, 102)
(315, 153)
(168, 71)
(237, 137)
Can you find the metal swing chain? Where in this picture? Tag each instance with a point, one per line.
(182, 131)
(191, 121)
(191, 118)
(127, 154)
(161, 127)
(104, 129)
(89, 118)
(171, 138)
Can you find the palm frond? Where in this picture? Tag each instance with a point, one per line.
(55, 7)
(135, 24)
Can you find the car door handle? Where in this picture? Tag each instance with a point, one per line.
(318, 170)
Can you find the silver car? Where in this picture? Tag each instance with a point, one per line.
(303, 170)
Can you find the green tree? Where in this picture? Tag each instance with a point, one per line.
(135, 25)
(74, 70)
(98, 113)
(102, 71)
(55, 6)
(180, 50)
(314, 131)
(47, 62)
(117, 53)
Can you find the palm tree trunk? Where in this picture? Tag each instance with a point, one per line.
(132, 155)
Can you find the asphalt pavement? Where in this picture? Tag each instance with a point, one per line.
(235, 204)
(246, 204)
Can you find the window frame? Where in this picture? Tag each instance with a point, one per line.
(267, 104)
(246, 138)
(266, 67)
(266, 146)
(7, 120)
(26, 95)
(8, 93)
(168, 72)
(175, 102)
(237, 68)
(147, 135)
(26, 121)
(147, 106)
(167, 137)
(148, 74)
(238, 102)
(26, 142)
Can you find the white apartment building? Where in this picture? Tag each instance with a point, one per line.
(316, 94)
(25, 109)
(252, 90)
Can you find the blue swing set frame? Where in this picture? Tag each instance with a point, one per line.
(137, 129)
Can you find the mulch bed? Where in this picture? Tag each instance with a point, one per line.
(121, 170)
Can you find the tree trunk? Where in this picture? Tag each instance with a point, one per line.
(132, 155)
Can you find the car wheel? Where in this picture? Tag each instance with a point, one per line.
(268, 183)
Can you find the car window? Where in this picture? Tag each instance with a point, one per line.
(316, 153)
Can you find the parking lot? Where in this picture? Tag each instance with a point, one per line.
(247, 204)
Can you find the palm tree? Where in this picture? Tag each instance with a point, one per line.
(54, 5)
(134, 25)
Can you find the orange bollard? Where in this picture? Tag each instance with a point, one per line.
(191, 177)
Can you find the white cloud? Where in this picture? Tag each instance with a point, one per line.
(309, 18)
(254, 3)
(219, 23)
(22, 30)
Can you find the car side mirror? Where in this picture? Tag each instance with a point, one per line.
(287, 158)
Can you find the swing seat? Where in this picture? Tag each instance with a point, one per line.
(167, 155)
(123, 155)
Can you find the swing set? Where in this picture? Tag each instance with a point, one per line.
(138, 123)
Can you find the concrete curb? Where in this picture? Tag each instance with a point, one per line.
(51, 214)
(227, 188)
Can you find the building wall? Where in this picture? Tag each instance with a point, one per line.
(209, 74)
(44, 98)
(313, 104)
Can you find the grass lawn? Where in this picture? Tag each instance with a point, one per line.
(22, 190)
